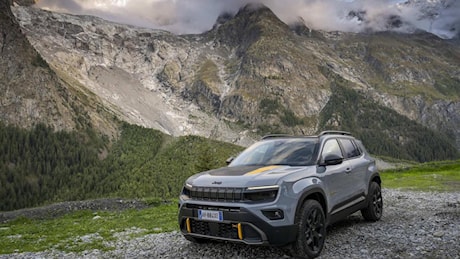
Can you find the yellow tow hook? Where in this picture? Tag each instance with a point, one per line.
(240, 230)
(189, 226)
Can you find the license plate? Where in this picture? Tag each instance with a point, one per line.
(210, 215)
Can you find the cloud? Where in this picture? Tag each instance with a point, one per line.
(195, 16)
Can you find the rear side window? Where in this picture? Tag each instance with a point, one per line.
(350, 148)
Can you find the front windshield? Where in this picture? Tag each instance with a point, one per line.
(289, 151)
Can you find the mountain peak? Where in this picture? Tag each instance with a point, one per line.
(254, 8)
(250, 22)
(257, 12)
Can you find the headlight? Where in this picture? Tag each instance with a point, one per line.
(261, 193)
(269, 187)
(186, 191)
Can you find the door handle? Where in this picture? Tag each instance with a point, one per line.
(348, 170)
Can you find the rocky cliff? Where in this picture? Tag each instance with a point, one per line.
(32, 93)
(252, 74)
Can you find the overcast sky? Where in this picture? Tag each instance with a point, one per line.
(196, 16)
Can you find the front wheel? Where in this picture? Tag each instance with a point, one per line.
(311, 232)
(374, 209)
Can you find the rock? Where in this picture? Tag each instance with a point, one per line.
(438, 234)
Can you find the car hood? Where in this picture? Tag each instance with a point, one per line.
(245, 176)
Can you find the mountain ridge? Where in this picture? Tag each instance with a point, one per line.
(234, 84)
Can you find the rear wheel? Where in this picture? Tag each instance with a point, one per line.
(374, 209)
(311, 232)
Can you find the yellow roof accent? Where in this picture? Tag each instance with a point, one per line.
(263, 169)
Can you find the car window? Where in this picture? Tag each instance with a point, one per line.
(360, 146)
(349, 148)
(331, 147)
(293, 152)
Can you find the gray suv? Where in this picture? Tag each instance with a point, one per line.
(283, 191)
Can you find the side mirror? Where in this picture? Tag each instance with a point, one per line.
(229, 160)
(332, 159)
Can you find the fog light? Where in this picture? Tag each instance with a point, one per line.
(273, 214)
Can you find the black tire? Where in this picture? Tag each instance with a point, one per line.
(311, 232)
(374, 209)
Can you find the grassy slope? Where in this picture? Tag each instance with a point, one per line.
(157, 166)
(40, 166)
(84, 230)
(433, 176)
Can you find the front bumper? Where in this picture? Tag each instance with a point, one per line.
(238, 225)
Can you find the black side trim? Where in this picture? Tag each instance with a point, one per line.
(343, 213)
(348, 202)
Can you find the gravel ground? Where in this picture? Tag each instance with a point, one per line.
(414, 225)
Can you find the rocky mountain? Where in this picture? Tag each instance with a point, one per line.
(442, 15)
(252, 74)
(32, 93)
(439, 17)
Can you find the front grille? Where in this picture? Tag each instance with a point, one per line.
(217, 194)
(215, 229)
(222, 230)
(208, 207)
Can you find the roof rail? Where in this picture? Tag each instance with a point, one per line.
(276, 136)
(334, 132)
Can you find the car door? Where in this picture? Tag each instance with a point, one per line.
(357, 166)
(335, 177)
